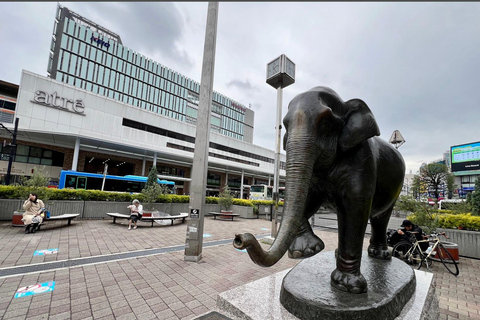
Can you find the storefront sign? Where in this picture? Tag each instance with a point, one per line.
(100, 42)
(54, 101)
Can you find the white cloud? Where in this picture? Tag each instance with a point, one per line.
(414, 64)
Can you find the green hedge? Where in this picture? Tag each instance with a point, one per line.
(465, 221)
(21, 192)
(459, 221)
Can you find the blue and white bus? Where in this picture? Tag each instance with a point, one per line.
(93, 181)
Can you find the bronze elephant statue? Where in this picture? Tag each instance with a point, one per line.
(334, 159)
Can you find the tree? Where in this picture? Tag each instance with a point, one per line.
(434, 175)
(476, 198)
(416, 186)
(37, 183)
(450, 185)
(152, 189)
(152, 177)
(225, 198)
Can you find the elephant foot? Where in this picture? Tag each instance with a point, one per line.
(305, 245)
(379, 252)
(348, 282)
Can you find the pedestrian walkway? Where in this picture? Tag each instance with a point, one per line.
(104, 271)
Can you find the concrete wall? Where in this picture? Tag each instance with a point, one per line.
(468, 241)
(98, 209)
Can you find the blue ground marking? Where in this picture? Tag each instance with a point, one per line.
(45, 252)
(35, 289)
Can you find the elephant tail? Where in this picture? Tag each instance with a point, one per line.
(257, 254)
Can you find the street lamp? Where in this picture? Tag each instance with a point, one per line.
(280, 74)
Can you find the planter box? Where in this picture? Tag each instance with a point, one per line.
(468, 241)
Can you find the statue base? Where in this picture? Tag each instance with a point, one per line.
(260, 299)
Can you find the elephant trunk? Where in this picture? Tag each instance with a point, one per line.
(299, 168)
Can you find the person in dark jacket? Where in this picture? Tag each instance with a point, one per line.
(409, 227)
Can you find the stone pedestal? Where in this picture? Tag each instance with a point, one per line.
(261, 299)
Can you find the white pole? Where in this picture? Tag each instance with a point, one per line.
(104, 175)
(278, 133)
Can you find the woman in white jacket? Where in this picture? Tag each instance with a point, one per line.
(33, 208)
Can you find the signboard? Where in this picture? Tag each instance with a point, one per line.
(194, 213)
(465, 157)
(55, 101)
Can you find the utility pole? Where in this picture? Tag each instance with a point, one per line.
(13, 147)
(194, 241)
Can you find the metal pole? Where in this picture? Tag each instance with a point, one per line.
(13, 148)
(76, 152)
(194, 241)
(278, 133)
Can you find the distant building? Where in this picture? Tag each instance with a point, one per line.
(106, 104)
(88, 56)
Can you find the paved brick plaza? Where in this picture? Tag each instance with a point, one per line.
(160, 286)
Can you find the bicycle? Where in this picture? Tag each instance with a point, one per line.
(411, 252)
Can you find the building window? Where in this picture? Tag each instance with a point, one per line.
(213, 179)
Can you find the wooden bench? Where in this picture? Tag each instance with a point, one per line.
(66, 216)
(181, 215)
(223, 215)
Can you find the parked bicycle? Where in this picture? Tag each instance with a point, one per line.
(411, 253)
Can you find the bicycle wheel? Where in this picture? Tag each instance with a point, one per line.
(417, 258)
(401, 249)
(447, 259)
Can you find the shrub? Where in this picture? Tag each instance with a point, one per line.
(460, 221)
(225, 198)
(243, 202)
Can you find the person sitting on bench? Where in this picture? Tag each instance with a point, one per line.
(32, 216)
(136, 210)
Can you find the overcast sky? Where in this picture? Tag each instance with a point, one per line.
(416, 65)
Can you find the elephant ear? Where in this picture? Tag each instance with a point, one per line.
(360, 125)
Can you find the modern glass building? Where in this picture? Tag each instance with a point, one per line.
(91, 57)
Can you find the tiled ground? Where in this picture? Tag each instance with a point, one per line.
(161, 286)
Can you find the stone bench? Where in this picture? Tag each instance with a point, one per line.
(65, 216)
(181, 215)
(223, 215)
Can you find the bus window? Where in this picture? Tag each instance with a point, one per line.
(71, 182)
(81, 183)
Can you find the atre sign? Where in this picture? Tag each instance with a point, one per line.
(54, 101)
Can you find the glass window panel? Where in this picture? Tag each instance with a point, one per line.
(22, 150)
(66, 58)
(34, 160)
(107, 76)
(35, 152)
(73, 64)
(63, 43)
(99, 56)
(71, 26)
(46, 162)
(23, 159)
(75, 45)
(93, 52)
(109, 60)
(47, 153)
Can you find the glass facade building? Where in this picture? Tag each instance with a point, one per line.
(88, 56)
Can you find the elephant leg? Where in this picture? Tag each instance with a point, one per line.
(352, 222)
(378, 247)
(306, 243)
